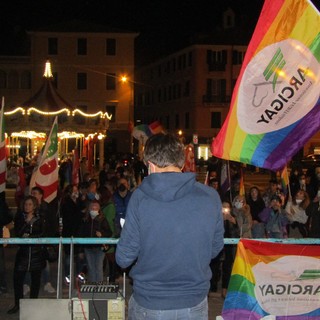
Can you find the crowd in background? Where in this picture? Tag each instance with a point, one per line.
(92, 208)
(95, 206)
(274, 212)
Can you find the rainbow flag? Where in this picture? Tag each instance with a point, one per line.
(282, 280)
(242, 190)
(155, 127)
(275, 106)
(285, 180)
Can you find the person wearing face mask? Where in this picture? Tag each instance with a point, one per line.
(121, 199)
(241, 211)
(296, 209)
(30, 259)
(94, 225)
(275, 219)
(92, 191)
(71, 216)
(173, 229)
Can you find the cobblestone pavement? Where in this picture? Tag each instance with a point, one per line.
(7, 299)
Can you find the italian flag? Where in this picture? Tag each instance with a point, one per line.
(45, 175)
(3, 159)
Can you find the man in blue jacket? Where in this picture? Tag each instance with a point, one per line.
(173, 228)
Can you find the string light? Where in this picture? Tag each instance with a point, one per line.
(54, 113)
(9, 113)
(29, 135)
(70, 135)
(99, 113)
(16, 146)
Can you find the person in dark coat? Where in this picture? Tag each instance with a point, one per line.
(29, 258)
(256, 203)
(94, 225)
(71, 216)
(5, 218)
(48, 213)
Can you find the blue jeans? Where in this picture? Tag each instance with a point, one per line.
(199, 312)
(94, 257)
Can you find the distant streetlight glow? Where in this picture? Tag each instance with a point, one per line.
(124, 79)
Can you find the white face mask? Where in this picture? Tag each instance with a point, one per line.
(298, 201)
(75, 195)
(238, 204)
(93, 214)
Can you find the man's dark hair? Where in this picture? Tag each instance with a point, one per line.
(38, 189)
(164, 150)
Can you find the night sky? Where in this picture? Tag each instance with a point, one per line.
(164, 25)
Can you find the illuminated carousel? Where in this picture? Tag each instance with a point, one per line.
(28, 125)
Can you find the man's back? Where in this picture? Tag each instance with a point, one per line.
(173, 227)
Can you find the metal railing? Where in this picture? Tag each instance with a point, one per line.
(72, 241)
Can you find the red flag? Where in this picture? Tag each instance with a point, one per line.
(155, 127)
(19, 194)
(75, 167)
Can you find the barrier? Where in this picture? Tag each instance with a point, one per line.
(74, 241)
(115, 241)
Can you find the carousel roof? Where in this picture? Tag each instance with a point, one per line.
(47, 98)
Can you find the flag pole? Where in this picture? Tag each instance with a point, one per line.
(229, 179)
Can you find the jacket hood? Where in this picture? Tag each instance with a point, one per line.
(168, 186)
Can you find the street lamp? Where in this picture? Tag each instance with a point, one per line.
(124, 79)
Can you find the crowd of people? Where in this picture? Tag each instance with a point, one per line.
(270, 213)
(97, 207)
(93, 208)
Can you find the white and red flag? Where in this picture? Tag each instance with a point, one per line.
(45, 175)
(3, 158)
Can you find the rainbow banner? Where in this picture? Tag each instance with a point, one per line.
(275, 106)
(285, 181)
(274, 281)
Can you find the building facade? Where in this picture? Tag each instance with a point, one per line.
(88, 66)
(189, 91)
